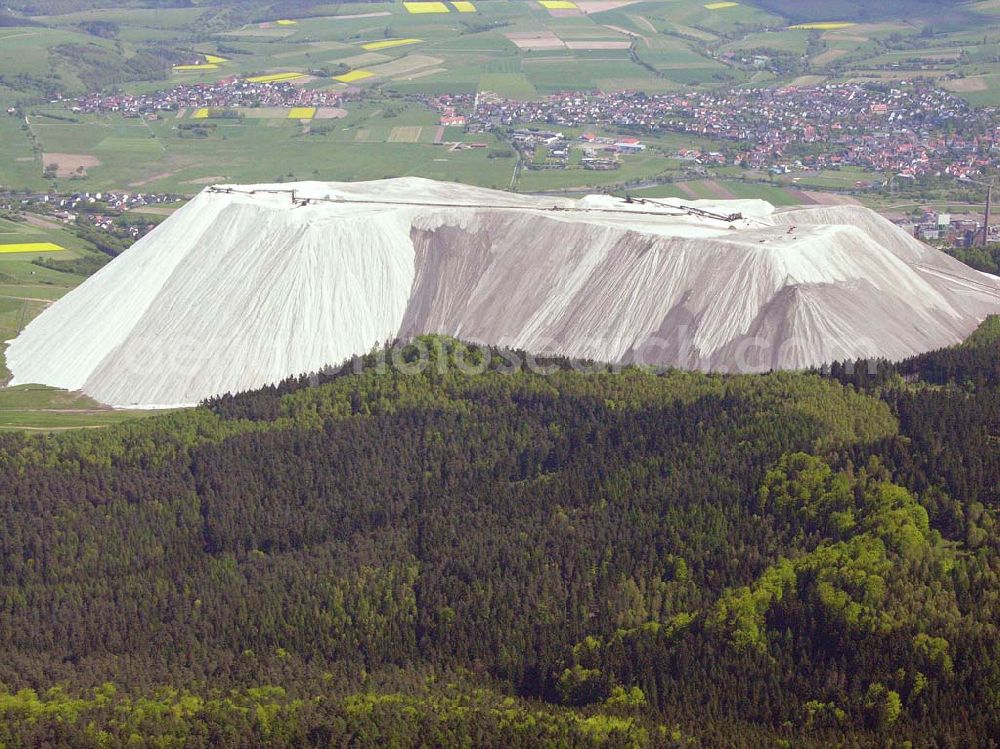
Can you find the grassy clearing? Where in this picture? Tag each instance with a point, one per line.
(668, 190)
(773, 194)
(845, 178)
(512, 85)
(979, 90)
(26, 51)
(41, 408)
(635, 168)
(794, 40)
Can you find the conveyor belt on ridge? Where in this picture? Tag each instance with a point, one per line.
(682, 210)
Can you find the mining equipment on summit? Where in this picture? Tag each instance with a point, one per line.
(628, 199)
(689, 209)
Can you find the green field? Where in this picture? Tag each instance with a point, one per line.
(25, 287)
(50, 409)
(159, 157)
(723, 190)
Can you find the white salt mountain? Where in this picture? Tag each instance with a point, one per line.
(244, 286)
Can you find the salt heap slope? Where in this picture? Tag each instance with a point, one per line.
(246, 285)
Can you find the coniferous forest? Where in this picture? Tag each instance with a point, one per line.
(504, 558)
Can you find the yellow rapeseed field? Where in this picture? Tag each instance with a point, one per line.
(6, 249)
(387, 43)
(425, 7)
(200, 114)
(824, 25)
(354, 75)
(273, 77)
(214, 59)
(720, 6)
(557, 4)
(301, 113)
(463, 6)
(203, 66)
(286, 22)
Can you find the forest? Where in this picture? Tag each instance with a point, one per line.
(469, 552)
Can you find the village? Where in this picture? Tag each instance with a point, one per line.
(228, 93)
(901, 133)
(905, 131)
(908, 131)
(124, 217)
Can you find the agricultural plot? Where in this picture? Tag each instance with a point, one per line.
(18, 248)
(558, 5)
(26, 288)
(353, 76)
(389, 43)
(261, 148)
(783, 40)
(418, 8)
(276, 77)
(405, 134)
(20, 165)
(712, 17)
(510, 85)
(669, 38)
(26, 51)
(679, 40)
(466, 55)
(363, 59)
(404, 66)
(648, 166)
(19, 241)
(981, 90)
(666, 190)
(823, 25)
(845, 178)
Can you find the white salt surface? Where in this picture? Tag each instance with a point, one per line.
(243, 288)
